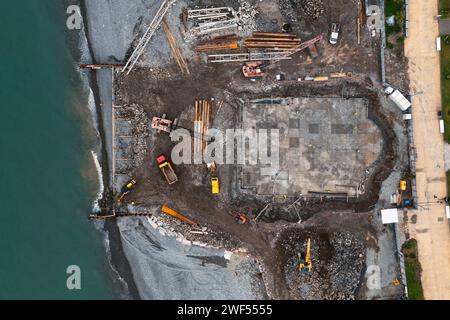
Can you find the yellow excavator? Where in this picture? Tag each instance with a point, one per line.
(305, 264)
(126, 189)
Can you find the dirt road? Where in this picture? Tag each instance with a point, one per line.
(432, 228)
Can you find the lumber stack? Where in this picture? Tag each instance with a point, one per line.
(271, 40)
(217, 47)
(202, 120)
(225, 42)
(181, 62)
(227, 38)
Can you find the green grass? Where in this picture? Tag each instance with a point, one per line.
(445, 84)
(444, 7)
(394, 8)
(448, 183)
(413, 270)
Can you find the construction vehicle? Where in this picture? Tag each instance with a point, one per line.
(241, 219)
(215, 185)
(334, 34)
(126, 189)
(163, 124)
(256, 68)
(402, 188)
(312, 49)
(305, 264)
(253, 69)
(166, 168)
(166, 125)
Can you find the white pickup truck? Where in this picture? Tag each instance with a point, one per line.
(334, 35)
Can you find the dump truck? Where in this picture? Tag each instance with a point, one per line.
(166, 168)
(398, 98)
(215, 185)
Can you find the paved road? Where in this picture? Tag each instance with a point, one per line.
(432, 228)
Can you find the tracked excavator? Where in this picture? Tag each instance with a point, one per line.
(305, 264)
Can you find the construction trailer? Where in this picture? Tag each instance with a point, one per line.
(398, 98)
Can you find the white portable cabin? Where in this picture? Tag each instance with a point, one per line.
(447, 212)
(441, 126)
(398, 98)
(389, 216)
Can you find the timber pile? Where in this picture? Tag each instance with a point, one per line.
(228, 38)
(272, 40)
(175, 50)
(225, 42)
(202, 120)
(216, 47)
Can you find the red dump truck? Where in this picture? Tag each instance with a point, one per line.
(166, 168)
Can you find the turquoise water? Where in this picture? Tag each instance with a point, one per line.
(47, 175)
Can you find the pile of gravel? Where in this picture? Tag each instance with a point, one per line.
(136, 146)
(313, 9)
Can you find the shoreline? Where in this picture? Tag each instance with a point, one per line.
(118, 260)
(127, 262)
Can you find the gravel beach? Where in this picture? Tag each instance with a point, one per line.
(162, 267)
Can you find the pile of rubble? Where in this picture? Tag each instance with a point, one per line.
(338, 262)
(313, 8)
(200, 236)
(136, 145)
(246, 15)
(286, 8)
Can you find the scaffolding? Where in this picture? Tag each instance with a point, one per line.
(154, 25)
(249, 56)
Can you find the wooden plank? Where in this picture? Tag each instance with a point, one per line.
(283, 46)
(272, 39)
(273, 34)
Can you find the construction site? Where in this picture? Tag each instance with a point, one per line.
(309, 69)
